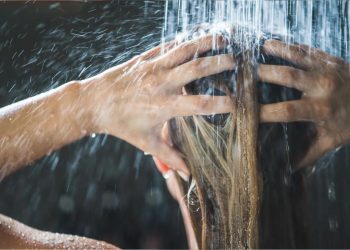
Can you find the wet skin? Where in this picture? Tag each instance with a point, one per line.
(131, 101)
(134, 100)
(324, 81)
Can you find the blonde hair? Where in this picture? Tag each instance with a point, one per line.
(221, 151)
(222, 158)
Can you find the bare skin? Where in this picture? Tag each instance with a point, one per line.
(325, 83)
(15, 235)
(178, 193)
(131, 101)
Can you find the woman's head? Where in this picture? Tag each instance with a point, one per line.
(225, 152)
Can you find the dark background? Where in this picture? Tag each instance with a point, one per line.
(103, 188)
(99, 187)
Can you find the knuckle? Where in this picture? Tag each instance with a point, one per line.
(186, 46)
(298, 50)
(203, 104)
(324, 109)
(153, 76)
(290, 110)
(269, 43)
(146, 65)
(196, 67)
(167, 77)
(290, 73)
(198, 63)
(304, 47)
(329, 84)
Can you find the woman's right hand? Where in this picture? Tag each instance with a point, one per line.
(325, 83)
(133, 100)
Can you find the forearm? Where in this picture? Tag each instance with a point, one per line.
(15, 235)
(34, 127)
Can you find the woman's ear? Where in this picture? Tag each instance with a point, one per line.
(165, 133)
(163, 167)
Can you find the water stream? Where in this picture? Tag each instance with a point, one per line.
(97, 186)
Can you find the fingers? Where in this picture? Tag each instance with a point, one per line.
(202, 105)
(286, 76)
(292, 53)
(199, 68)
(157, 51)
(321, 55)
(290, 111)
(152, 53)
(188, 50)
(322, 145)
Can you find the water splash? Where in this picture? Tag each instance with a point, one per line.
(324, 24)
(312, 22)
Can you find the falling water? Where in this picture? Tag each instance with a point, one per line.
(90, 182)
(324, 24)
(321, 23)
(96, 186)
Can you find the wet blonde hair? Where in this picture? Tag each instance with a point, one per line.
(224, 201)
(225, 194)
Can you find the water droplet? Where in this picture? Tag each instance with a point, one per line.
(333, 225)
(331, 191)
(66, 203)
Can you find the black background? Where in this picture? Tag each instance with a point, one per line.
(102, 187)
(99, 187)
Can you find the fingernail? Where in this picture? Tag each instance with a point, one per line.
(183, 176)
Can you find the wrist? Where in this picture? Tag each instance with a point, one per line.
(81, 108)
(100, 98)
(92, 102)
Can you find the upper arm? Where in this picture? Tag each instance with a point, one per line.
(14, 234)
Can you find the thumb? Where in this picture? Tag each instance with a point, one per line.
(322, 145)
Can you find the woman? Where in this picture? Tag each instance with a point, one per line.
(225, 154)
(130, 101)
(133, 101)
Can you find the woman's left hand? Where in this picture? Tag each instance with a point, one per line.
(325, 83)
